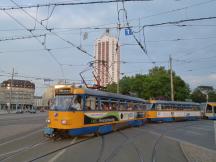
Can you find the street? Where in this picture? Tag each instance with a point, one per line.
(22, 139)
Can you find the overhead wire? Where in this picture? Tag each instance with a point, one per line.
(48, 50)
(21, 37)
(69, 4)
(142, 46)
(179, 21)
(50, 30)
(173, 40)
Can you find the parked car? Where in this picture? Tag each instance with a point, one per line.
(32, 110)
(42, 110)
(19, 111)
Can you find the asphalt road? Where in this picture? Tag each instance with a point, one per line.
(23, 140)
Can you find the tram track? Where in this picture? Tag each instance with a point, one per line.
(13, 153)
(141, 158)
(127, 141)
(25, 141)
(162, 135)
(59, 149)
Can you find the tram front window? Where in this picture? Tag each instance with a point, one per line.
(66, 103)
(209, 109)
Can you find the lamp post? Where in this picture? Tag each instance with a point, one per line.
(11, 85)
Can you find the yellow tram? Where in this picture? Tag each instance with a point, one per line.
(209, 110)
(76, 111)
(172, 111)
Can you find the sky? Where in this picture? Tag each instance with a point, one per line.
(192, 45)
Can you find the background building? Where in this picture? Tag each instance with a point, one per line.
(22, 94)
(107, 59)
(48, 95)
(38, 102)
(1, 97)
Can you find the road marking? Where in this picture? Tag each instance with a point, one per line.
(61, 152)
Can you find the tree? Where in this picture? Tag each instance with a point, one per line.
(155, 84)
(198, 96)
(200, 92)
(212, 96)
(111, 88)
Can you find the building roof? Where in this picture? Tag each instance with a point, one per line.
(18, 84)
(106, 34)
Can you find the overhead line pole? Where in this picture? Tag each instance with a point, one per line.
(171, 79)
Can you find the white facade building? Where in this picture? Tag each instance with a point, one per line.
(38, 102)
(107, 59)
(20, 94)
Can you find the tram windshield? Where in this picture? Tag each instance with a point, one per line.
(65, 103)
(209, 109)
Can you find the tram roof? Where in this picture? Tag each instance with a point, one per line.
(175, 102)
(111, 95)
(210, 103)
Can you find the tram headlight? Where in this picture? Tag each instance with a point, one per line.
(64, 121)
(48, 121)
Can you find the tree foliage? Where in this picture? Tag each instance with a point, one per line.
(155, 84)
(200, 94)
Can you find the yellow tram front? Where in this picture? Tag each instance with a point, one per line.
(77, 111)
(209, 110)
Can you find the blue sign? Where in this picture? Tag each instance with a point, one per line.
(128, 31)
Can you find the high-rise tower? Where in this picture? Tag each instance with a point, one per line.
(107, 59)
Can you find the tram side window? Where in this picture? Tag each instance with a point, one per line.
(136, 106)
(158, 107)
(105, 106)
(130, 106)
(214, 109)
(90, 103)
(123, 106)
(75, 103)
(175, 107)
(197, 107)
(166, 106)
(114, 105)
(144, 106)
(209, 109)
(97, 104)
(163, 107)
(184, 107)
